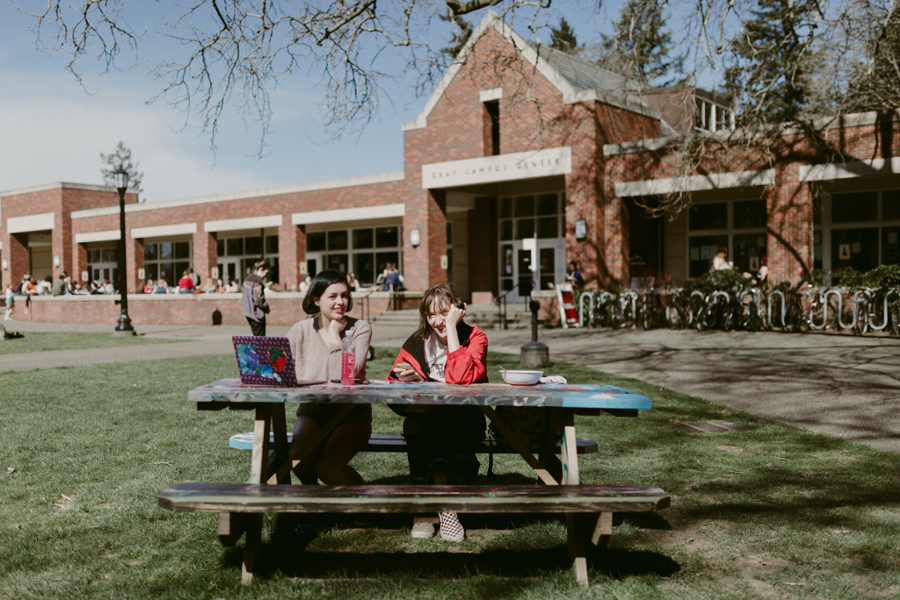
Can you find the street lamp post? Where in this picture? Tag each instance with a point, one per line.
(124, 324)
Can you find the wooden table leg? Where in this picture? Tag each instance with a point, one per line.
(602, 530)
(279, 430)
(519, 446)
(569, 449)
(259, 461)
(251, 547)
(574, 524)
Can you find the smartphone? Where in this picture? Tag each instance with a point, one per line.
(405, 365)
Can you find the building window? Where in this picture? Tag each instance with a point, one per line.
(857, 229)
(167, 260)
(449, 252)
(238, 254)
(492, 128)
(738, 225)
(364, 251)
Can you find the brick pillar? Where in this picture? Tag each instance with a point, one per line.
(616, 234)
(584, 200)
(79, 262)
(421, 266)
(131, 260)
(15, 248)
(138, 256)
(482, 259)
(206, 254)
(790, 226)
(291, 253)
(436, 242)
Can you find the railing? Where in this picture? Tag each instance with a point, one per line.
(500, 301)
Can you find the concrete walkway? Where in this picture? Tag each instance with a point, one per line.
(829, 383)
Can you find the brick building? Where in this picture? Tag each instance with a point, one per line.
(522, 160)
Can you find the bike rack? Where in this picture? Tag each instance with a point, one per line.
(770, 304)
(840, 309)
(884, 322)
(691, 304)
(590, 297)
(623, 298)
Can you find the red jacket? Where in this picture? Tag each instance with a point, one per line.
(466, 365)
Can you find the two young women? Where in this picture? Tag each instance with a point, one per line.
(441, 441)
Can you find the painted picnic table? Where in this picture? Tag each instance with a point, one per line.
(562, 400)
(268, 403)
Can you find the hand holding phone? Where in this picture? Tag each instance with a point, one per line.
(405, 372)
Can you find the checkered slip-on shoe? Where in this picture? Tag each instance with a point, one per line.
(422, 531)
(451, 529)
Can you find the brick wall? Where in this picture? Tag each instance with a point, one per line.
(187, 309)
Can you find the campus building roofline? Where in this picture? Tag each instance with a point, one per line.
(577, 80)
(821, 124)
(258, 193)
(63, 185)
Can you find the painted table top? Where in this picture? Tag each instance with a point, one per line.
(382, 392)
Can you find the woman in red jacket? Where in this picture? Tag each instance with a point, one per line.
(441, 442)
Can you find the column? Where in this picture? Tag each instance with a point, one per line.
(291, 253)
(205, 254)
(789, 242)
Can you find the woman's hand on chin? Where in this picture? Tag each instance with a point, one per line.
(455, 315)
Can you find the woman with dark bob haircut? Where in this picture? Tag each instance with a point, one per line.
(441, 442)
(316, 346)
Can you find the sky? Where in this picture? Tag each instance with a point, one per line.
(52, 128)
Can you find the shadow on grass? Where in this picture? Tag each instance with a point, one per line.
(285, 552)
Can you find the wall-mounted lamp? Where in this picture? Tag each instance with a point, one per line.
(5, 264)
(415, 238)
(56, 260)
(580, 229)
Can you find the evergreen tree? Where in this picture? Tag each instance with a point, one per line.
(563, 37)
(641, 49)
(771, 65)
(461, 33)
(121, 157)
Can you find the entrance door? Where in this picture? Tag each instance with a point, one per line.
(525, 269)
(314, 263)
(230, 270)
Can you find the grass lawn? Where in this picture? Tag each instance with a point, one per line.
(46, 341)
(770, 512)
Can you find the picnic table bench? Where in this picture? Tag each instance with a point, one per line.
(588, 508)
(388, 442)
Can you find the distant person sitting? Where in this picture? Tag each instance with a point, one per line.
(59, 286)
(148, 287)
(720, 261)
(45, 286)
(109, 288)
(573, 276)
(233, 287)
(304, 285)
(186, 283)
(210, 287)
(161, 287)
(392, 280)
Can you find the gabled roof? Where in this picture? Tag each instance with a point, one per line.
(576, 79)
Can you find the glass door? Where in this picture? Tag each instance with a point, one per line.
(538, 269)
(230, 270)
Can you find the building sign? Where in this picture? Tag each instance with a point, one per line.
(491, 169)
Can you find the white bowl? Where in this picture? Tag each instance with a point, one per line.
(521, 377)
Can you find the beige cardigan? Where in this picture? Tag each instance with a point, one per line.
(315, 360)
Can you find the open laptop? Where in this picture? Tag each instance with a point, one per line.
(265, 360)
